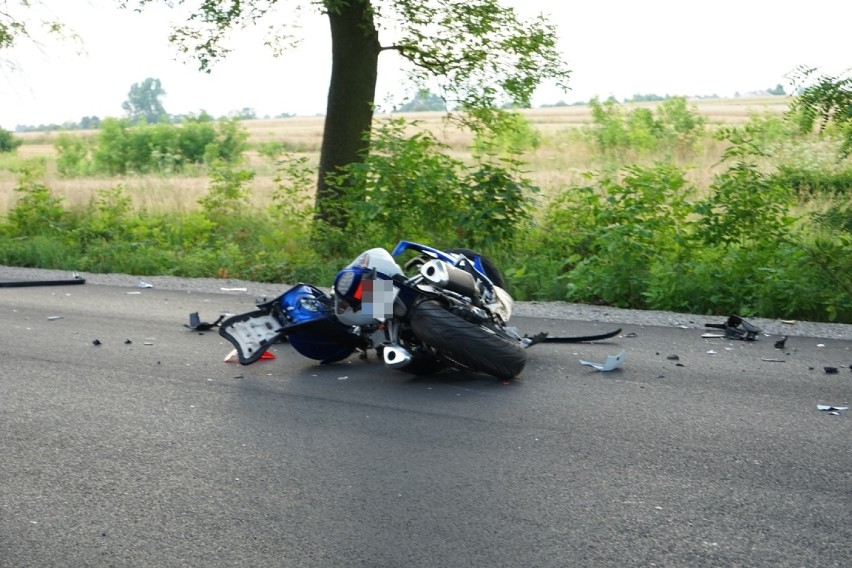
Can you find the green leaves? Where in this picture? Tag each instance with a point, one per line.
(482, 54)
(8, 142)
(616, 130)
(824, 101)
(409, 187)
(122, 147)
(745, 205)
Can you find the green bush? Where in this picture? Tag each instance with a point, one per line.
(745, 205)
(228, 196)
(123, 147)
(674, 128)
(680, 127)
(73, 155)
(610, 233)
(408, 187)
(512, 135)
(809, 183)
(36, 210)
(8, 143)
(609, 128)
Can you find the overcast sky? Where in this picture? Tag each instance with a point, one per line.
(615, 47)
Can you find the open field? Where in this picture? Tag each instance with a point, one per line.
(558, 162)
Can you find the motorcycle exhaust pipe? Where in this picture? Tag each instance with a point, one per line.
(395, 356)
(446, 276)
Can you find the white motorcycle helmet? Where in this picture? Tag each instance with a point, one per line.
(363, 290)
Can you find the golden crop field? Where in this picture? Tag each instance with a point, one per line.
(559, 161)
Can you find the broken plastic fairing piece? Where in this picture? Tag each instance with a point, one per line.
(612, 362)
(195, 323)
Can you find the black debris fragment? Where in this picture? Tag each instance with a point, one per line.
(780, 343)
(737, 328)
(830, 370)
(543, 337)
(75, 279)
(96, 342)
(673, 358)
(537, 338)
(127, 342)
(195, 323)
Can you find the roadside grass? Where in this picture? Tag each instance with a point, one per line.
(616, 226)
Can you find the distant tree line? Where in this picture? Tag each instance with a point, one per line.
(143, 106)
(778, 90)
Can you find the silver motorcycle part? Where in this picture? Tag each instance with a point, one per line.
(395, 356)
(502, 305)
(443, 275)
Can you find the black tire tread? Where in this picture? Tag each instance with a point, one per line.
(467, 343)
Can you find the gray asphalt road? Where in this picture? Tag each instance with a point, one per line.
(149, 450)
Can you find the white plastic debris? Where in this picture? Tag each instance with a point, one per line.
(831, 409)
(612, 362)
(143, 284)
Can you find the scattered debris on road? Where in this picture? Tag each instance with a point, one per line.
(612, 362)
(833, 410)
(75, 279)
(232, 356)
(195, 323)
(737, 328)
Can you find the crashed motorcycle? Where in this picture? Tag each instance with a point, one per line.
(447, 309)
(443, 310)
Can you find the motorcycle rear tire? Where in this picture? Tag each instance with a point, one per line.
(468, 344)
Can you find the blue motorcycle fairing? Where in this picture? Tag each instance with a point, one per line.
(301, 303)
(312, 329)
(304, 314)
(403, 246)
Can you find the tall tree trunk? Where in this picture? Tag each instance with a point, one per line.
(355, 58)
